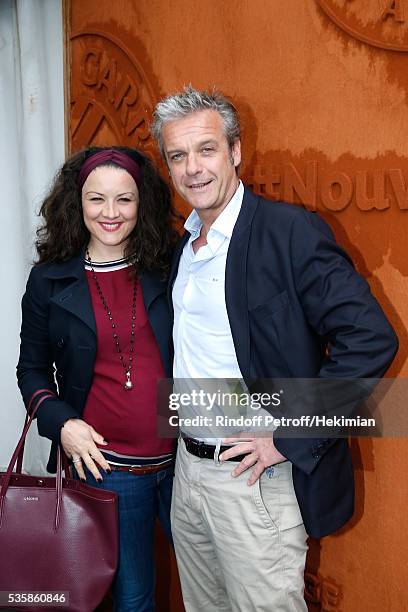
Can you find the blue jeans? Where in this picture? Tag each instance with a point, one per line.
(141, 499)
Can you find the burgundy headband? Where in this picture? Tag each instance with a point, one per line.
(109, 155)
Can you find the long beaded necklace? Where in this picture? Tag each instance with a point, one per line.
(127, 367)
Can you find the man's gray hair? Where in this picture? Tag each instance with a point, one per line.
(189, 101)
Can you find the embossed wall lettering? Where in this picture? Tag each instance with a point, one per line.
(113, 101)
(120, 90)
(381, 23)
(323, 592)
(395, 9)
(334, 189)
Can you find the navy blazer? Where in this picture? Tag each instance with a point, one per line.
(58, 340)
(290, 292)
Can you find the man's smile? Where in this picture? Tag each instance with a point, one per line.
(198, 186)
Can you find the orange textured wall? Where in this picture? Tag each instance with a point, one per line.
(322, 86)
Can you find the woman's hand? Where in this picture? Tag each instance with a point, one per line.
(79, 441)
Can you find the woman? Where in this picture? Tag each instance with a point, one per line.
(95, 314)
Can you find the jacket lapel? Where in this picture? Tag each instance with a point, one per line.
(236, 282)
(235, 279)
(74, 296)
(152, 286)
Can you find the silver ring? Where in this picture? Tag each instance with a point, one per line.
(78, 460)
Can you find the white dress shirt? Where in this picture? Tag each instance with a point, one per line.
(203, 345)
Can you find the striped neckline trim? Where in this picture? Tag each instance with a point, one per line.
(107, 266)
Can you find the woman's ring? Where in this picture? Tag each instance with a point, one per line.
(77, 460)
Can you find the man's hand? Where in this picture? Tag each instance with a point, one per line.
(262, 454)
(79, 441)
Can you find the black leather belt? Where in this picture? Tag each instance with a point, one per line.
(206, 451)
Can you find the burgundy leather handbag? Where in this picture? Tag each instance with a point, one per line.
(58, 539)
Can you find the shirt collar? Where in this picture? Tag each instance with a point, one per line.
(224, 224)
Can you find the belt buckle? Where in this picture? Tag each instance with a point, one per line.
(201, 450)
(133, 469)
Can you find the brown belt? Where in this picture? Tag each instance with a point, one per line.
(141, 469)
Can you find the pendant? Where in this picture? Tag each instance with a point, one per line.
(128, 384)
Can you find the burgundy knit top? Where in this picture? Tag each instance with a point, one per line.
(125, 418)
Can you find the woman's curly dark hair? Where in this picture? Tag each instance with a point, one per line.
(64, 234)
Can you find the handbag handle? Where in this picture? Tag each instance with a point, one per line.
(49, 393)
(18, 454)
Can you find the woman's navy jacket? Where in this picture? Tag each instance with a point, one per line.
(58, 341)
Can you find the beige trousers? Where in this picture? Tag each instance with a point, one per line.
(238, 548)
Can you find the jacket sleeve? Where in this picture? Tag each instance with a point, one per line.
(35, 368)
(340, 307)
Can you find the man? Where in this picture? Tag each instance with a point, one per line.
(260, 290)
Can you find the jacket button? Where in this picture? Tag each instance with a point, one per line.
(60, 343)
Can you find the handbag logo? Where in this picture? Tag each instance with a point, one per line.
(30, 498)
